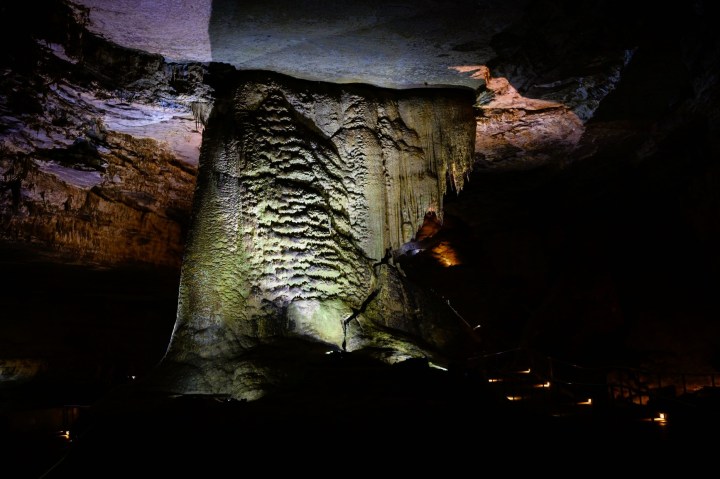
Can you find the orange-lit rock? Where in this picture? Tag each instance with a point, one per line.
(518, 132)
(132, 212)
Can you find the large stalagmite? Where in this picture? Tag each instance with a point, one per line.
(304, 192)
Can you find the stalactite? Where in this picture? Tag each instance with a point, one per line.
(201, 112)
(430, 159)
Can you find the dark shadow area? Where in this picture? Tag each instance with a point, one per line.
(69, 336)
(610, 255)
(610, 259)
(99, 325)
(348, 404)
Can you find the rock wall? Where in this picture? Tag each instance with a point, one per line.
(130, 211)
(303, 192)
(98, 144)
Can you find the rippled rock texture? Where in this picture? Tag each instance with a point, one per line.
(304, 192)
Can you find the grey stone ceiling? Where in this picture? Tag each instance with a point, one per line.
(397, 44)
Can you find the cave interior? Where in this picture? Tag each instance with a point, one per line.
(567, 214)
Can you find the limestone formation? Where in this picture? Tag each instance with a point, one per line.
(98, 154)
(131, 208)
(303, 191)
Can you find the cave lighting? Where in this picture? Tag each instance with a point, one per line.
(546, 384)
(495, 380)
(432, 365)
(514, 398)
(445, 255)
(586, 403)
(661, 419)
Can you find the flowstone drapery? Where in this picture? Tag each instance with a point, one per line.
(304, 190)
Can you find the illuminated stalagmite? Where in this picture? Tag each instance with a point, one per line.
(304, 191)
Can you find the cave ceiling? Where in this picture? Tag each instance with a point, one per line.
(396, 45)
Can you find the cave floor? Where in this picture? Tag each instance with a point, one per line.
(95, 334)
(406, 415)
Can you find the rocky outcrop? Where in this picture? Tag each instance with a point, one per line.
(514, 132)
(131, 209)
(304, 191)
(15, 371)
(99, 145)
